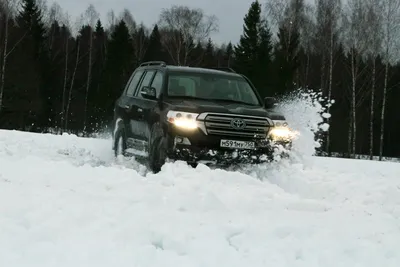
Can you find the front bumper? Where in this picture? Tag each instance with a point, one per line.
(196, 147)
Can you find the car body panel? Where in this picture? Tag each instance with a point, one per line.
(145, 120)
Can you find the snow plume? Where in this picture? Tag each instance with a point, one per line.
(306, 112)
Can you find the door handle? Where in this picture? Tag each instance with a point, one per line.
(127, 107)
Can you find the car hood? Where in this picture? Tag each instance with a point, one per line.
(201, 106)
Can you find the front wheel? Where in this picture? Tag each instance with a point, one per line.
(120, 144)
(157, 155)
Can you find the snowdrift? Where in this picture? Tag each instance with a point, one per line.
(65, 201)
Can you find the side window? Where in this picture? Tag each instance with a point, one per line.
(134, 82)
(146, 81)
(158, 82)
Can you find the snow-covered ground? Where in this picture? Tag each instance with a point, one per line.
(65, 201)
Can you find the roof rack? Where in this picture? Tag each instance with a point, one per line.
(227, 69)
(153, 63)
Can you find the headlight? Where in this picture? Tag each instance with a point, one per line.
(183, 120)
(281, 131)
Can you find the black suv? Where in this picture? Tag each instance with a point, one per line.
(210, 116)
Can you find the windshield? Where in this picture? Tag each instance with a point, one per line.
(211, 86)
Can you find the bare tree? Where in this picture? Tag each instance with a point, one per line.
(54, 16)
(328, 21)
(79, 22)
(9, 8)
(374, 35)
(294, 16)
(91, 16)
(111, 20)
(63, 111)
(140, 42)
(290, 15)
(308, 29)
(130, 22)
(77, 60)
(184, 26)
(356, 44)
(391, 32)
(55, 13)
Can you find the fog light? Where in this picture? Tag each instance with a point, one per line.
(182, 140)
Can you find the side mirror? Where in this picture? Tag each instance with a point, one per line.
(269, 102)
(149, 92)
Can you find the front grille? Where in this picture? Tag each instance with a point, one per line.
(220, 124)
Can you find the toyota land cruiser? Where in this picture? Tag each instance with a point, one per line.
(196, 115)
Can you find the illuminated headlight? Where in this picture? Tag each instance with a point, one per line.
(184, 120)
(281, 131)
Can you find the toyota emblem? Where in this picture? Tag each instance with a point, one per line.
(238, 124)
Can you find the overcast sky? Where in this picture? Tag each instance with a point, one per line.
(229, 12)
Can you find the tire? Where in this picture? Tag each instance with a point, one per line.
(157, 155)
(120, 144)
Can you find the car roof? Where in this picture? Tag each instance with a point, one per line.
(200, 70)
(173, 68)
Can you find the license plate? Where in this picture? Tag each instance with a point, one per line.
(237, 144)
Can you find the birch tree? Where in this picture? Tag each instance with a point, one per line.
(328, 28)
(78, 25)
(140, 42)
(55, 15)
(288, 14)
(91, 17)
(111, 20)
(355, 40)
(295, 25)
(374, 36)
(307, 41)
(66, 56)
(130, 22)
(391, 32)
(182, 27)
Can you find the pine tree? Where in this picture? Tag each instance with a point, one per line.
(35, 48)
(247, 49)
(119, 66)
(197, 55)
(229, 54)
(99, 59)
(155, 51)
(31, 19)
(286, 60)
(209, 58)
(265, 49)
(253, 54)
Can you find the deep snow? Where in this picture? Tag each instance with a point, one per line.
(65, 201)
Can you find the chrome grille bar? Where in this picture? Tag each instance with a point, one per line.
(220, 124)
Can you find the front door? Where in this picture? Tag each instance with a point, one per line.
(149, 108)
(137, 118)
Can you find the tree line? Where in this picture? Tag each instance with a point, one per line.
(64, 75)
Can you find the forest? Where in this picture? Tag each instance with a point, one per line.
(60, 73)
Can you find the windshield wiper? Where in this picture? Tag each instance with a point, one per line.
(212, 99)
(186, 96)
(233, 101)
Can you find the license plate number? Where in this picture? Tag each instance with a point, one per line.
(237, 144)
